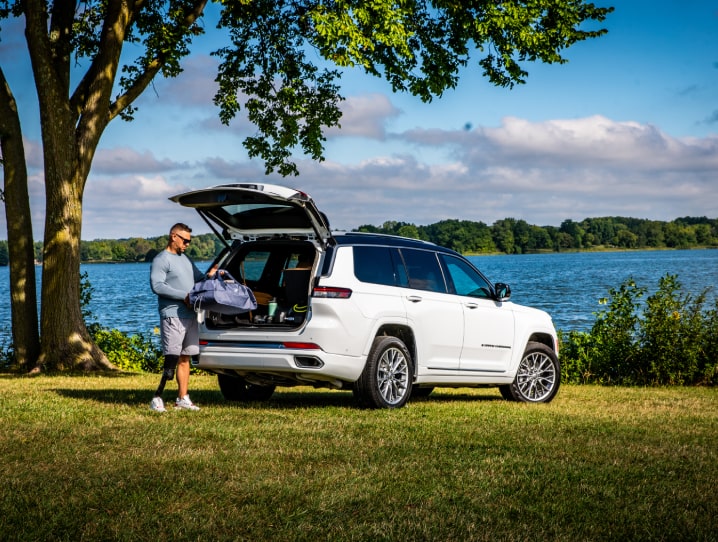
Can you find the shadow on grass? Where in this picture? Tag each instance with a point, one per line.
(16, 375)
(483, 395)
(280, 400)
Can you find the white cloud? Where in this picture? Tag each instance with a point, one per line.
(223, 171)
(195, 87)
(365, 116)
(33, 154)
(134, 206)
(122, 160)
(592, 141)
(543, 172)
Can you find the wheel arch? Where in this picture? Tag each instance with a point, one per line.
(405, 334)
(532, 336)
(543, 338)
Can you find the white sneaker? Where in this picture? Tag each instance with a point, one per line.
(157, 404)
(185, 404)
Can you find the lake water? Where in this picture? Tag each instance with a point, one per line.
(567, 285)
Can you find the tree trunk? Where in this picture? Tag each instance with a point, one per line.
(71, 129)
(67, 152)
(23, 293)
(66, 343)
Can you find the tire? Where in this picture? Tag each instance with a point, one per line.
(387, 376)
(537, 378)
(506, 392)
(236, 388)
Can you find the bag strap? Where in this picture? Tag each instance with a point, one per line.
(223, 274)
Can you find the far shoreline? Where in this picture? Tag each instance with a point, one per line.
(592, 250)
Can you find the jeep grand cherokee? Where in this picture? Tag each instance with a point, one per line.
(388, 317)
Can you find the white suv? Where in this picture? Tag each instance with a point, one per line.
(388, 317)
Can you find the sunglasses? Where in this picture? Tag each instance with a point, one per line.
(184, 240)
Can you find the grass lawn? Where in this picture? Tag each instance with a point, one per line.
(83, 458)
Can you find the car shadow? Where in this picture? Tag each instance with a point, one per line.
(115, 396)
(137, 397)
(439, 397)
(281, 399)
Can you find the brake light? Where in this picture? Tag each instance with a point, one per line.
(269, 345)
(331, 292)
(301, 346)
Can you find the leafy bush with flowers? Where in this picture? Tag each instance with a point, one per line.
(671, 338)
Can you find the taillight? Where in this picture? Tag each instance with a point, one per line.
(300, 346)
(331, 292)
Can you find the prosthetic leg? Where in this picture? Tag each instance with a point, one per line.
(168, 373)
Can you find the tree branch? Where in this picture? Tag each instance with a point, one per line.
(60, 39)
(38, 45)
(100, 77)
(151, 69)
(7, 104)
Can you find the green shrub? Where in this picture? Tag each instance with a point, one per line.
(672, 322)
(577, 358)
(708, 364)
(7, 356)
(606, 354)
(671, 339)
(129, 352)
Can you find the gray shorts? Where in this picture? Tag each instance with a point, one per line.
(180, 336)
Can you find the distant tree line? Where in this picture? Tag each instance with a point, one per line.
(510, 236)
(134, 249)
(513, 236)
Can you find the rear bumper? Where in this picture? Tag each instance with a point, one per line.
(300, 364)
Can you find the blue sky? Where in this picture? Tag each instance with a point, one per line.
(629, 127)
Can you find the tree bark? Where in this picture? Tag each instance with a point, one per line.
(66, 344)
(71, 129)
(23, 293)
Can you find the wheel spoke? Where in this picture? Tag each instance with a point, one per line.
(536, 377)
(392, 376)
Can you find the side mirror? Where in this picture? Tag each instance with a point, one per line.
(503, 291)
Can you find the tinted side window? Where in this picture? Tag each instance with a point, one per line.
(423, 270)
(375, 265)
(464, 280)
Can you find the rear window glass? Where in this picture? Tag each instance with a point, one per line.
(377, 266)
(254, 264)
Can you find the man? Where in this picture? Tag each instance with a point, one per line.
(172, 276)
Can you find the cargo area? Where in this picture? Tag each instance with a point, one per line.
(279, 273)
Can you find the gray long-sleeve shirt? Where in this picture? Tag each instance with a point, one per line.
(171, 278)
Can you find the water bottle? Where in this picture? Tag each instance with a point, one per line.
(272, 307)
